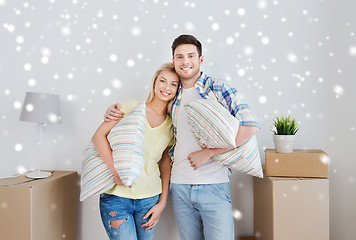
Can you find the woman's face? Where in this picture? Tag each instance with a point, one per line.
(166, 85)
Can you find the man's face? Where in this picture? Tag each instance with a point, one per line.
(187, 62)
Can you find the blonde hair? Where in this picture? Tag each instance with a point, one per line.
(165, 67)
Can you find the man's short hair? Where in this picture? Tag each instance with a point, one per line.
(186, 39)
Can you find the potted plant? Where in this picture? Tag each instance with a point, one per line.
(284, 129)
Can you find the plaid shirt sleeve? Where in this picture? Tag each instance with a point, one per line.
(236, 103)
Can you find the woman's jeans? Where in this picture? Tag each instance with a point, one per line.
(203, 211)
(129, 213)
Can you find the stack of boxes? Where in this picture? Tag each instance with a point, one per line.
(292, 201)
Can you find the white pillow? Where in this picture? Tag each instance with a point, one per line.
(126, 139)
(213, 126)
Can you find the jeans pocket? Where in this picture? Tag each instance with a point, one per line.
(222, 190)
(105, 196)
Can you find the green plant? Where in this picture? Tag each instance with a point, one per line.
(285, 126)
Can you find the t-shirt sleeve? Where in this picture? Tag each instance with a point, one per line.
(128, 105)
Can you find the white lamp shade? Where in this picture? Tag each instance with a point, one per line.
(41, 108)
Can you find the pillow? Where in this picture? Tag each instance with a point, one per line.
(213, 126)
(126, 139)
(245, 158)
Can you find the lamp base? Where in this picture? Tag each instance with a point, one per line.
(38, 174)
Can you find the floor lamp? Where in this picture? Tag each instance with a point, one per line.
(41, 108)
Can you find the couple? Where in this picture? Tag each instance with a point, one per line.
(199, 186)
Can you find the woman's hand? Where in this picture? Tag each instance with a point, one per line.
(118, 180)
(154, 213)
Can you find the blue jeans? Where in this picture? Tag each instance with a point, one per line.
(130, 214)
(203, 211)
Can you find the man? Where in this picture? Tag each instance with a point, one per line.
(200, 190)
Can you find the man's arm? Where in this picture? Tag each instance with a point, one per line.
(113, 113)
(198, 158)
(244, 134)
(238, 107)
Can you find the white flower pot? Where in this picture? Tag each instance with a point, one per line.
(283, 143)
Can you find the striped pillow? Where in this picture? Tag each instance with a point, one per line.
(126, 139)
(245, 158)
(205, 118)
(214, 127)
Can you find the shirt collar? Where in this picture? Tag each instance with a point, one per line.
(198, 85)
(201, 81)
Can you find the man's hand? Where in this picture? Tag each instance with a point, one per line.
(198, 158)
(113, 113)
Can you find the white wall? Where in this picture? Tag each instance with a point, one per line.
(295, 56)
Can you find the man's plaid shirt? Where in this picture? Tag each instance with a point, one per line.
(221, 91)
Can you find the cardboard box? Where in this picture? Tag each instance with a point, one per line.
(291, 208)
(246, 238)
(300, 163)
(39, 209)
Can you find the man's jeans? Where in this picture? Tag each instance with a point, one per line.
(203, 211)
(130, 212)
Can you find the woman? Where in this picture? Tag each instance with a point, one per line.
(133, 212)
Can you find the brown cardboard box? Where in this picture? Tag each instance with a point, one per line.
(40, 209)
(299, 163)
(291, 208)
